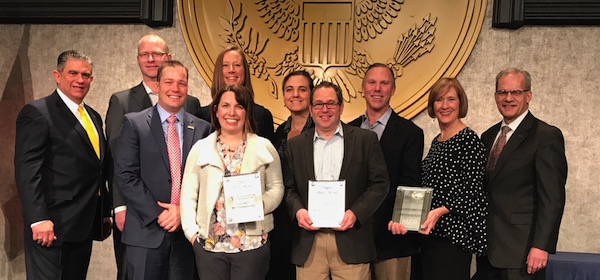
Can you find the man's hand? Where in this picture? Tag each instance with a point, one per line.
(537, 259)
(348, 221)
(169, 219)
(304, 221)
(43, 233)
(397, 228)
(120, 219)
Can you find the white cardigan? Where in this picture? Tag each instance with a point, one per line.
(203, 181)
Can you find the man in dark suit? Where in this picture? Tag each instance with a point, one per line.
(334, 151)
(61, 165)
(525, 182)
(148, 170)
(402, 145)
(152, 52)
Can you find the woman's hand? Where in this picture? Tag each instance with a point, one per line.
(432, 218)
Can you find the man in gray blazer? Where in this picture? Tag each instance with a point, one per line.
(151, 153)
(152, 52)
(525, 182)
(334, 151)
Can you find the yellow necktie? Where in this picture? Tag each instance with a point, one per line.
(90, 130)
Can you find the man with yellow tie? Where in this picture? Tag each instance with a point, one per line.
(60, 170)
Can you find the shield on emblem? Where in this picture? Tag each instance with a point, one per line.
(326, 31)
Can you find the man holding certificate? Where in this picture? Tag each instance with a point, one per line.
(329, 164)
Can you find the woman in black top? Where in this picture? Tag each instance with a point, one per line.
(231, 67)
(297, 87)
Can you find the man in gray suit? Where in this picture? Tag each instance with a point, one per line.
(151, 153)
(152, 52)
(525, 182)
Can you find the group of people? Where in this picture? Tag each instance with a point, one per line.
(166, 159)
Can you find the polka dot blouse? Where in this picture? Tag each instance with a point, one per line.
(455, 169)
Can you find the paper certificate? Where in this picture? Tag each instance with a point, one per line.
(243, 198)
(326, 203)
(411, 206)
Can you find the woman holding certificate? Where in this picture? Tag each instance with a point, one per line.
(231, 185)
(454, 167)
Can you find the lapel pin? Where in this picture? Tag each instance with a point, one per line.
(191, 127)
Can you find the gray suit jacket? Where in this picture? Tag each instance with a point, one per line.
(364, 170)
(143, 174)
(526, 192)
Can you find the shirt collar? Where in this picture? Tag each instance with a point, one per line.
(383, 119)
(338, 131)
(513, 125)
(70, 104)
(148, 90)
(164, 114)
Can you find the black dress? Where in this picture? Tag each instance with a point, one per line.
(280, 265)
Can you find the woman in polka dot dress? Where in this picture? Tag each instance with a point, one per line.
(455, 169)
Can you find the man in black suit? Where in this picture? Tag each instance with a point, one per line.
(525, 182)
(61, 165)
(402, 145)
(152, 52)
(334, 151)
(148, 174)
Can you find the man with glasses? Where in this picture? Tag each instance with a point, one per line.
(525, 181)
(152, 52)
(402, 144)
(334, 151)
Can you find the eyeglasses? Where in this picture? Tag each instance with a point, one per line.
(514, 92)
(154, 55)
(329, 105)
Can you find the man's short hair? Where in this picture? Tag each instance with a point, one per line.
(71, 54)
(379, 64)
(441, 87)
(326, 84)
(171, 63)
(514, 70)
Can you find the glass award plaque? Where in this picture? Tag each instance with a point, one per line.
(411, 206)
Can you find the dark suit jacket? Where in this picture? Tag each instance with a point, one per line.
(402, 146)
(363, 168)
(143, 174)
(526, 192)
(262, 117)
(132, 100)
(57, 171)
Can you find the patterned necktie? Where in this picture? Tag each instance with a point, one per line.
(497, 149)
(89, 129)
(174, 159)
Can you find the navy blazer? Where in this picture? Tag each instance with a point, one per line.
(131, 100)
(364, 170)
(402, 145)
(526, 192)
(143, 174)
(57, 171)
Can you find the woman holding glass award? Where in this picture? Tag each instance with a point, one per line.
(231, 185)
(454, 167)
